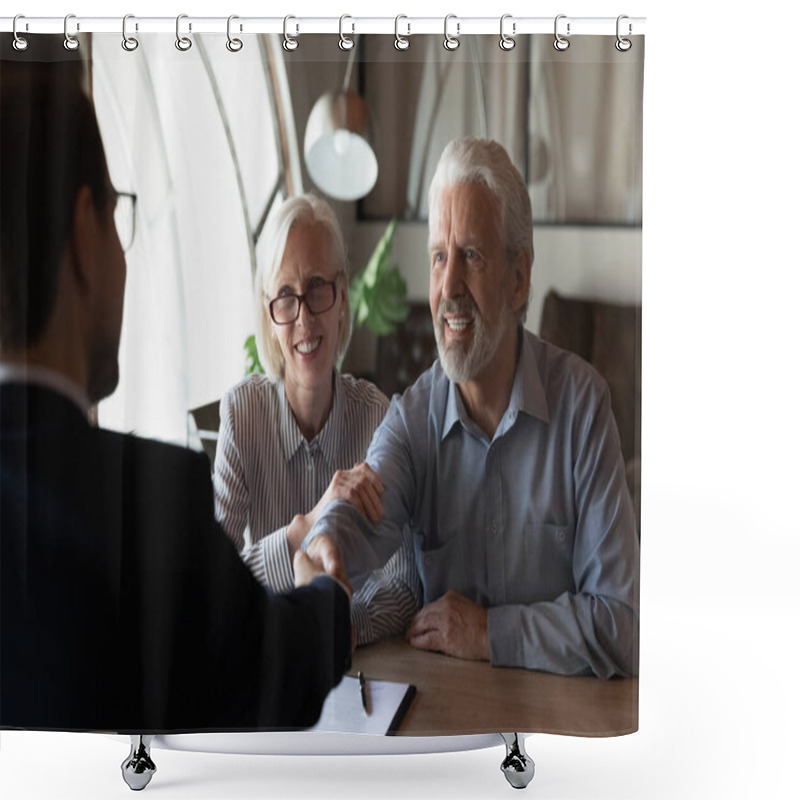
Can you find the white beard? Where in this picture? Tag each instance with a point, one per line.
(461, 361)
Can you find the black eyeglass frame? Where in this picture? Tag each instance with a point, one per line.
(303, 298)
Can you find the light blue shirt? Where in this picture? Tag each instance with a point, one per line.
(536, 524)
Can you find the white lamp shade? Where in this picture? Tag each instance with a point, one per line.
(339, 156)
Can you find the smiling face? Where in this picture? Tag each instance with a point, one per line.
(474, 295)
(309, 343)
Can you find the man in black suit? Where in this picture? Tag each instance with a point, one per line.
(124, 607)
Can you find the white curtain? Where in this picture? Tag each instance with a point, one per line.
(196, 140)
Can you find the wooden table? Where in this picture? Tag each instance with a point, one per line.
(464, 697)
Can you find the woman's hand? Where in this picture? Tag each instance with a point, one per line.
(359, 486)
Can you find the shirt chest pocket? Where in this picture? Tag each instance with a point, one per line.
(440, 568)
(546, 562)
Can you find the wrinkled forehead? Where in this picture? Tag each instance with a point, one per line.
(466, 208)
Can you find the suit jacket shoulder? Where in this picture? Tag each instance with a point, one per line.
(125, 606)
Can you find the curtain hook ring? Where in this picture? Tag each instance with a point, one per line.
(233, 45)
(183, 43)
(70, 42)
(561, 43)
(20, 42)
(290, 43)
(345, 42)
(507, 42)
(401, 42)
(451, 42)
(623, 45)
(129, 43)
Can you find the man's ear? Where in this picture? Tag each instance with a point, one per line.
(85, 236)
(521, 286)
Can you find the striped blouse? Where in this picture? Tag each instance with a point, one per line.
(265, 472)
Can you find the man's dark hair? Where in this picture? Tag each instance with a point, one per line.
(50, 146)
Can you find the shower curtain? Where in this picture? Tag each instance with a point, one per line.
(213, 136)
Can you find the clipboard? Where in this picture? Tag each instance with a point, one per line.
(343, 711)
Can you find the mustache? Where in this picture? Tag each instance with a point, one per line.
(456, 305)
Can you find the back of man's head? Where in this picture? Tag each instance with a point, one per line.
(50, 146)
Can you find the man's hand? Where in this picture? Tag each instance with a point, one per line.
(321, 558)
(360, 486)
(452, 625)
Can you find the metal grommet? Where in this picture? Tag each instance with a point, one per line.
(507, 42)
(20, 42)
(561, 43)
(183, 43)
(70, 42)
(290, 43)
(345, 42)
(401, 42)
(234, 45)
(623, 45)
(451, 42)
(129, 43)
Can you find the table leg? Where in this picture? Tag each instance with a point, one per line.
(138, 768)
(517, 766)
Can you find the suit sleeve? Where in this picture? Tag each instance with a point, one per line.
(223, 653)
(295, 647)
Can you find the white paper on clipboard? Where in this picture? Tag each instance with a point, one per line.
(343, 711)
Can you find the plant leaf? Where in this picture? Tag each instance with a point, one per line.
(252, 361)
(391, 296)
(379, 259)
(378, 292)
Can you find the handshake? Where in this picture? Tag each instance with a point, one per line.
(362, 488)
(321, 558)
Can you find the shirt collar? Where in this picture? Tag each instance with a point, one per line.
(327, 438)
(454, 410)
(527, 392)
(48, 378)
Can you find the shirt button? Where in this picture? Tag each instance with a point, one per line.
(494, 527)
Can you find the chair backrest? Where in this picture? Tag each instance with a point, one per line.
(404, 355)
(609, 337)
(203, 423)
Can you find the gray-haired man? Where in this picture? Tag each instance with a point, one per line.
(504, 457)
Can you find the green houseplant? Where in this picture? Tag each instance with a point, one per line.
(377, 297)
(378, 292)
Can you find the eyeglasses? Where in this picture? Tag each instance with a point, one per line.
(125, 217)
(319, 298)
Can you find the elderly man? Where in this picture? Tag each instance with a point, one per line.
(123, 605)
(504, 457)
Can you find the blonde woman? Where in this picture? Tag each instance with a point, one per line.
(291, 441)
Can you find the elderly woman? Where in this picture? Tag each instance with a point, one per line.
(291, 441)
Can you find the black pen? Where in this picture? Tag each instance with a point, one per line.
(362, 683)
